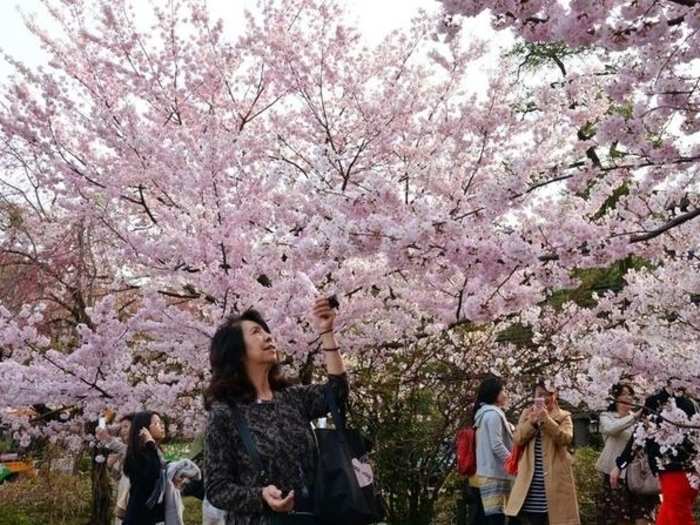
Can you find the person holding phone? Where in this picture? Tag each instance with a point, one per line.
(544, 492)
(616, 505)
(143, 466)
(674, 466)
(247, 382)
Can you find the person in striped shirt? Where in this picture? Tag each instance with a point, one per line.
(544, 492)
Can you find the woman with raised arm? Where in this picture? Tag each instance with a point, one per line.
(248, 388)
(617, 505)
(544, 492)
(143, 466)
(674, 465)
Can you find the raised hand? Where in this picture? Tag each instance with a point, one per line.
(323, 315)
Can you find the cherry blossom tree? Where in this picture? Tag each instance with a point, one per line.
(632, 102)
(207, 172)
(219, 175)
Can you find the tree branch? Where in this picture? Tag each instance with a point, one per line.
(663, 229)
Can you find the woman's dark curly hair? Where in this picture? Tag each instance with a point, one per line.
(229, 379)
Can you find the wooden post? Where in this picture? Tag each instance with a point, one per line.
(101, 508)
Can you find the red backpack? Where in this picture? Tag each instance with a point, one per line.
(466, 451)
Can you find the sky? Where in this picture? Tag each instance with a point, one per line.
(374, 18)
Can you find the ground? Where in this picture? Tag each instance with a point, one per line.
(60, 499)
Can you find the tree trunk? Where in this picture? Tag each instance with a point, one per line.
(76, 460)
(101, 490)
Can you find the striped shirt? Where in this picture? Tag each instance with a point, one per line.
(536, 501)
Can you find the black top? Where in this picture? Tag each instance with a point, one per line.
(658, 461)
(143, 476)
(282, 433)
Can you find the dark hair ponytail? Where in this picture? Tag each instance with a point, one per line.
(488, 392)
(134, 449)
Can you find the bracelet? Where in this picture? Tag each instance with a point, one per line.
(326, 332)
(334, 349)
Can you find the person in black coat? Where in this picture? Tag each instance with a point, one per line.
(671, 466)
(144, 466)
(683, 455)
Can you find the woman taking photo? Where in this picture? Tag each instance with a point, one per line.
(246, 382)
(618, 506)
(544, 492)
(143, 466)
(494, 441)
(673, 466)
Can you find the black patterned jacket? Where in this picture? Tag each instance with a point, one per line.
(282, 433)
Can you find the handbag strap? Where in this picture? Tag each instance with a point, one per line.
(158, 489)
(337, 414)
(248, 441)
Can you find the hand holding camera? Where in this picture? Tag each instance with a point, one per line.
(324, 313)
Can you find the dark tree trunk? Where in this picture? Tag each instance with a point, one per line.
(101, 508)
(101, 491)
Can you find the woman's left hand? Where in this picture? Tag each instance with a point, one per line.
(323, 315)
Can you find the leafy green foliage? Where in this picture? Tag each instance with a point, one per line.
(536, 55)
(587, 483)
(411, 403)
(595, 281)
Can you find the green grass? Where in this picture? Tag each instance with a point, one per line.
(57, 499)
(60, 500)
(193, 511)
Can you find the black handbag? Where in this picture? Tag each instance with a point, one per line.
(345, 491)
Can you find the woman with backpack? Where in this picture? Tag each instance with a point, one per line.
(544, 492)
(494, 441)
(248, 387)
